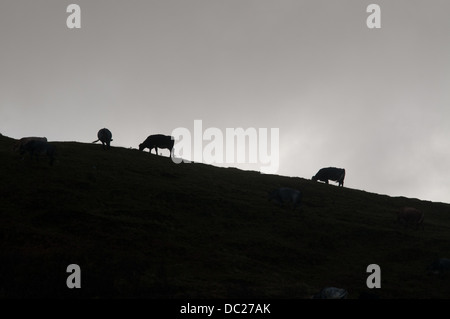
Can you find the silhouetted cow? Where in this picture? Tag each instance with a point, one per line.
(104, 136)
(158, 140)
(330, 173)
(410, 216)
(24, 140)
(331, 293)
(285, 195)
(39, 147)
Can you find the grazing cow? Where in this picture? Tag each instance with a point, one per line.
(104, 136)
(39, 147)
(158, 140)
(330, 173)
(284, 195)
(331, 293)
(439, 267)
(24, 140)
(410, 216)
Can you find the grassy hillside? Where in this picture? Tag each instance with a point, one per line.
(139, 225)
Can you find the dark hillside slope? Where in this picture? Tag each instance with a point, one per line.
(139, 225)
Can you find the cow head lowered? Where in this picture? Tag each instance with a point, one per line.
(330, 174)
(158, 140)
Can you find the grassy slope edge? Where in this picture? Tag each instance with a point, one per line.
(141, 226)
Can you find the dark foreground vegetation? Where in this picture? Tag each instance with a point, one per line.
(140, 226)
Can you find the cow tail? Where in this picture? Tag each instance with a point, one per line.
(96, 141)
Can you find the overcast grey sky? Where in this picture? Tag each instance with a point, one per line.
(373, 101)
